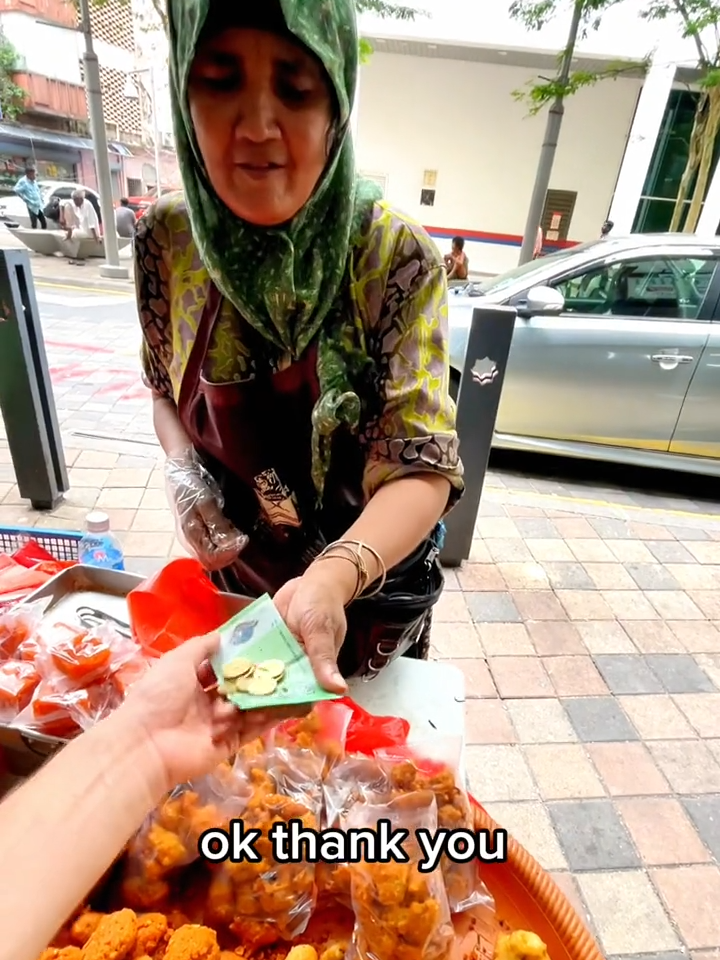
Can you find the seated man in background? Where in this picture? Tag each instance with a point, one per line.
(456, 262)
(80, 222)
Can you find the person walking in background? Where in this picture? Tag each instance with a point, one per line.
(456, 262)
(606, 228)
(29, 192)
(125, 219)
(538, 248)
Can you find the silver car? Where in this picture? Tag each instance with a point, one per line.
(615, 353)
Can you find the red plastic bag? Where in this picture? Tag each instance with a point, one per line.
(31, 553)
(178, 603)
(367, 733)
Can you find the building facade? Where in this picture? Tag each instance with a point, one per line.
(453, 146)
(53, 131)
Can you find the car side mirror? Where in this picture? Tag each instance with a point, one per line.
(542, 302)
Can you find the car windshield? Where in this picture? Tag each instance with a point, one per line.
(526, 270)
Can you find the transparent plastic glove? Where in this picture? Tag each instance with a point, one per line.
(202, 527)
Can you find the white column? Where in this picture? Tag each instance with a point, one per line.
(710, 216)
(641, 141)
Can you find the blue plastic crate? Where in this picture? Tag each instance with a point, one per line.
(60, 544)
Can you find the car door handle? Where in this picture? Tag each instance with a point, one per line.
(671, 358)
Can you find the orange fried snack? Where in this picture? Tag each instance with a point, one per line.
(152, 933)
(61, 953)
(114, 937)
(193, 942)
(84, 927)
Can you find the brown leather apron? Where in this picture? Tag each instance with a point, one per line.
(254, 437)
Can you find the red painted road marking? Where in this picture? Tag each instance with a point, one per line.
(69, 345)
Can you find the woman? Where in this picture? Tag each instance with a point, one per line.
(60, 831)
(295, 340)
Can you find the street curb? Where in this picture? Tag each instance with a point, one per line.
(123, 286)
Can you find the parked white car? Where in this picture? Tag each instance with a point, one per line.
(14, 212)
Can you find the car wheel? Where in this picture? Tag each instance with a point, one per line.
(454, 384)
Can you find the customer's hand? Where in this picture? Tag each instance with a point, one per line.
(202, 527)
(313, 607)
(186, 725)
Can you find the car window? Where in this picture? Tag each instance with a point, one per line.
(671, 288)
(63, 193)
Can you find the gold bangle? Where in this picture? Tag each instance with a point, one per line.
(354, 557)
(355, 548)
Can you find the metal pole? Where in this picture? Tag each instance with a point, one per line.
(156, 130)
(112, 266)
(550, 141)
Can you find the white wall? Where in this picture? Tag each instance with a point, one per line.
(460, 119)
(487, 23)
(45, 48)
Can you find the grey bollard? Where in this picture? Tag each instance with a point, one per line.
(481, 384)
(27, 404)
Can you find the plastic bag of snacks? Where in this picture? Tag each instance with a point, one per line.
(18, 680)
(64, 712)
(18, 625)
(434, 765)
(71, 656)
(401, 912)
(270, 900)
(323, 732)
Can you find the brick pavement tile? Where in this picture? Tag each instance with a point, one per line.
(16, 516)
(568, 884)
(451, 580)
(479, 552)
(505, 640)
(708, 601)
(568, 576)
(693, 534)
(627, 769)
(704, 812)
(629, 551)
(139, 463)
(146, 544)
(584, 605)
(713, 954)
(492, 607)
(610, 576)
(697, 636)
(487, 721)
(550, 550)
(457, 640)
(649, 531)
(575, 677)
(674, 605)
(537, 528)
(121, 519)
(627, 912)
(520, 677)
(157, 480)
(86, 497)
(538, 605)
(85, 477)
(652, 636)
(691, 896)
(680, 673)
(530, 825)
(524, 576)
(555, 637)
(154, 500)
(704, 552)
(451, 608)
(693, 576)
(652, 576)
(499, 773)
(508, 550)
(178, 550)
(626, 674)
(481, 576)
(599, 720)
(590, 551)
(121, 498)
(656, 718)
(516, 510)
(153, 521)
(592, 835)
(710, 664)
(688, 765)
(703, 713)
(662, 831)
(144, 566)
(604, 637)
(497, 528)
(563, 771)
(611, 529)
(95, 460)
(670, 552)
(129, 477)
(478, 681)
(663, 955)
(540, 721)
(630, 604)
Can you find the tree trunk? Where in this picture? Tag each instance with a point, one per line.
(693, 160)
(710, 131)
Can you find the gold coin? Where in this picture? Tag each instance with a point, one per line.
(275, 668)
(240, 667)
(261, 685)
(226, 689)
(242, 684)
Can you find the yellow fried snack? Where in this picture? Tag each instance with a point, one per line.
(114, 937)
(193, 942)
(520, 945)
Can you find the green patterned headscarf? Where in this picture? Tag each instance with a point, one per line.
(288, 282)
